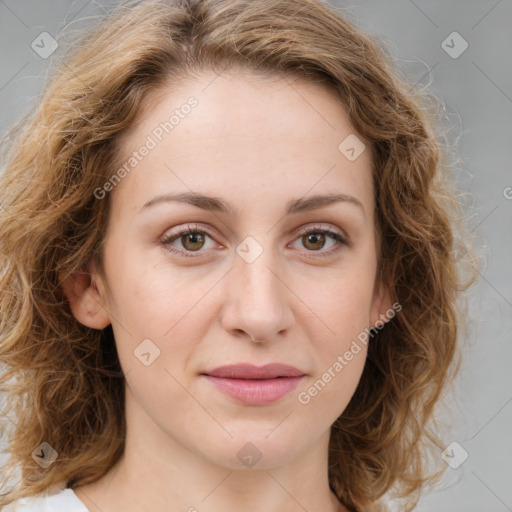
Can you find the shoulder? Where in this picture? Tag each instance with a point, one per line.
(63, 501)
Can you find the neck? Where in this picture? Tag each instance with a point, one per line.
(158, 473)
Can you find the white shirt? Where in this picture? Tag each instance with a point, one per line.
(63, 501)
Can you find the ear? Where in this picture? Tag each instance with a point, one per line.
(86, 300)
(382, 309)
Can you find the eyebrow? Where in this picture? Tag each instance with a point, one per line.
(216, 204)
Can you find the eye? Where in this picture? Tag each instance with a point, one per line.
(314, 239)
(191, 239)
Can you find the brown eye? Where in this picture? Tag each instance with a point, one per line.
(314, 241)
(187, 241)
(193, 241)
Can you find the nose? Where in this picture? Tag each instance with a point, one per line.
(258, 303)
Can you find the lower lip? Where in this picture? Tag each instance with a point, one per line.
(256, 392)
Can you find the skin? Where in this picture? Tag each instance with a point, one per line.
(256, 143)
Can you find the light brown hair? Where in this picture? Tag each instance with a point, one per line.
(62, 381)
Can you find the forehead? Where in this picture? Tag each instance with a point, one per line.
(252, 138)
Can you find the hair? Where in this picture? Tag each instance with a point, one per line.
(62, 381)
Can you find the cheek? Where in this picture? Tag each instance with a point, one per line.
(340, 355)
(328, 392)
(147, 292)
(152, 301)
(339, 333)
(342, 304)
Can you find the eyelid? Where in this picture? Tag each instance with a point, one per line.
(185, 228)
(342, 241)
(325, 228)
(335, 233)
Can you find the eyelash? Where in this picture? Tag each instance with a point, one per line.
(187, 230)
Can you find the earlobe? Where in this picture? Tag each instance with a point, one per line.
(85, 299)
(382, 307)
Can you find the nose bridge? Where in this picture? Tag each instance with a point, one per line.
(259, 302)
(261, 287)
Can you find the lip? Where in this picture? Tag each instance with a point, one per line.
(255, 385)
(249, 371)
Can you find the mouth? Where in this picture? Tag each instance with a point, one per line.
(254, 385)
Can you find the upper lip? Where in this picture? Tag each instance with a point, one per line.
(249, 371)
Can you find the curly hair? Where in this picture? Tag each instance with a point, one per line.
(62, 381)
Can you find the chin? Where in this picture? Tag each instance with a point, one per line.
(253, 449)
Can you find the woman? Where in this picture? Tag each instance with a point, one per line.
(228, 278)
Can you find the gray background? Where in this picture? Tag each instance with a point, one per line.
(476, 88)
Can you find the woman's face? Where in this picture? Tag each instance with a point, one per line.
(249, 160)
